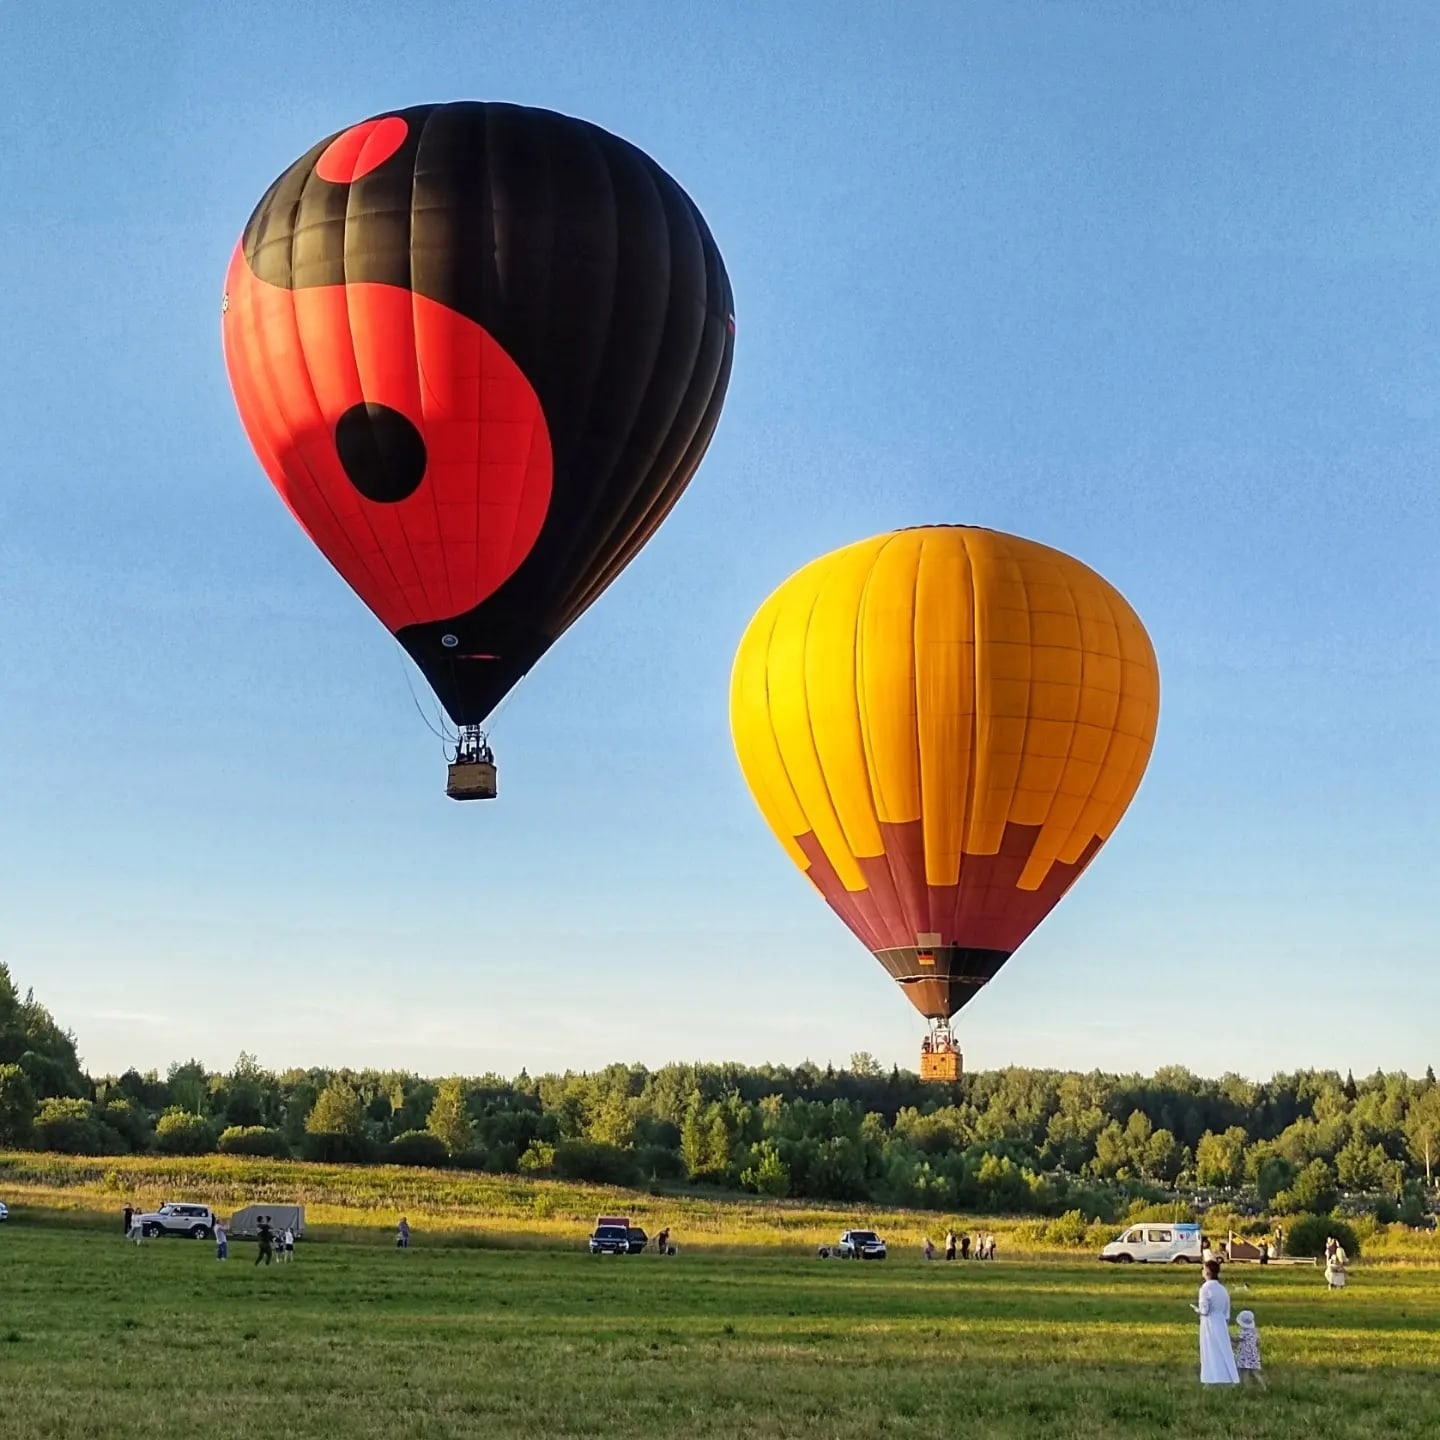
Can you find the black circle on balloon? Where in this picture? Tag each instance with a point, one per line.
(381, 452)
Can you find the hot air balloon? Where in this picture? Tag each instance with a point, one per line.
(480, 350)
(942, 726)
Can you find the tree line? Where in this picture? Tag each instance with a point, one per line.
(1012, 1140)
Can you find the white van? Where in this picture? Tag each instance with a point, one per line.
(1158, 1240)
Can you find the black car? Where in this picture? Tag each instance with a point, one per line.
(610, 1240)
(637, 1239)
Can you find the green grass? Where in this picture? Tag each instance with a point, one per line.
(355, 1340)
(510, 1211)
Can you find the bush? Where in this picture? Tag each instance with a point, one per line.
(254, 1140)
(336, 1149)
(1306, 1235)
(418, 1147)
(656, 1162)
(128, 1121)
(501, 1159)
(537, 1159)
(1069, 1230)
(596, 1162)
(1412, 1210)
(69, 1127)
(179, 1132)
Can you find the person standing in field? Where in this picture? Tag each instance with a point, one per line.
(1335, 1259)
(929, 1249)
(1247, 1350)
(402, 1234)
(949, 1244)
(1217, 1360)
(222, 1240)
(288, 1240)
(266, 1238)
(129, 1213)
(965, 1246)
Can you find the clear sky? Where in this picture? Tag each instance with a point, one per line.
(1156, 284)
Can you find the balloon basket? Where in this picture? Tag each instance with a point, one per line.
(940, 1058)
(472, 769)
(940, 1065)
(471, 780)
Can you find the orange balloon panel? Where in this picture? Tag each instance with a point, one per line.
(942, 726)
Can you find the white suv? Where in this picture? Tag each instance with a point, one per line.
(196, 1221)
(860, 1245)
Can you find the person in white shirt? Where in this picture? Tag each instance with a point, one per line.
(288, 1244)
(222, 1240)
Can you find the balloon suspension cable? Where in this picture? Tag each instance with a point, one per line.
(472, 747)
(941, 1039)
(441, 733)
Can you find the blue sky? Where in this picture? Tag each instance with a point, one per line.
(1155, 284)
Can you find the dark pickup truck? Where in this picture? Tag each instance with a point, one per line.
(616, 1236)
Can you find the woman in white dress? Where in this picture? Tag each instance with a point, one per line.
(1217, 1359)
(1335, 1267)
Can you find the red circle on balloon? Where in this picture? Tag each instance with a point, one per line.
(361, 149)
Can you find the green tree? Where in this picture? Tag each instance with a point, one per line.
(1314, 1189)
(1220, 1159)
(449, 1119)
(338, 1111)
(613, 1120)
(1275, 1175)
(694, 1141)
(1111, 1152)
(769, 1175)
(1163, 1157)
(1422, 1129)
(181, 1132)
(128, 1121)
(68, 1126)
(189, 1086)
(1138, 1131)
(17, 1107)
(30, 1038)
(537, 1159)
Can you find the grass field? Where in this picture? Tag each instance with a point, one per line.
(508, 1211)
(356, 1340)
(511, 1211)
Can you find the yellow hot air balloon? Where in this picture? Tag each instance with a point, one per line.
(942, 726)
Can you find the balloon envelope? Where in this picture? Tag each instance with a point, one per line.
(479, 350)
(942, 726)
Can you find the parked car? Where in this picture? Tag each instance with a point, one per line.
(4, 1211)
(860, 1245)
(1161, 1243)
(610, 1240)
(196, 1221)
(637, 1238)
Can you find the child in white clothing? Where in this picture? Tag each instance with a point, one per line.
(1247, 1350)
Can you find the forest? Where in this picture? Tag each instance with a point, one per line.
(1014, 1141)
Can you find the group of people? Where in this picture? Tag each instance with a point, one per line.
(1220, 1364)
(1335, 1262)
(982, 1248)
(279, 1247)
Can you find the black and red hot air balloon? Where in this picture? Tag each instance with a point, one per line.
(480, 350)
